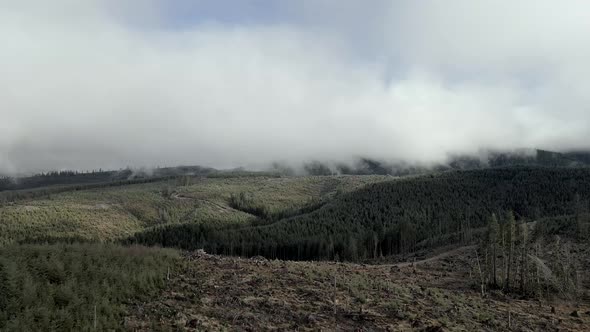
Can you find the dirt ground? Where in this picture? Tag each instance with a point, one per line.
(213, 293)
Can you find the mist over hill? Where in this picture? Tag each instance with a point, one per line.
(361, 166)
(485, 159)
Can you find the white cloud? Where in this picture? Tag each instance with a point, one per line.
(84, 86)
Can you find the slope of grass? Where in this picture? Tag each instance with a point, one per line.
(54, 219)
(277, 193)
(116, 212)
(76, 287)
(268, 196)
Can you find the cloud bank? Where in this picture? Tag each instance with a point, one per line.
(97, 84)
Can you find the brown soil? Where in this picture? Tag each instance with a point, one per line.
(213, 293)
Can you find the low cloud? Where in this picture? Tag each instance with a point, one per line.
(88, 85)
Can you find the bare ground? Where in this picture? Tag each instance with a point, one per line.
(213, 293)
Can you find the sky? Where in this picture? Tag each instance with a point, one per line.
(109, 84)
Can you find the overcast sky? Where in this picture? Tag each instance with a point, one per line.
(109, 83)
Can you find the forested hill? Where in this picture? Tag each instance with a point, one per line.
(393, 216)
(362, 166)
(486, 159)
(67, 178)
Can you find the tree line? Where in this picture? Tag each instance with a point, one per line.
(17, 195)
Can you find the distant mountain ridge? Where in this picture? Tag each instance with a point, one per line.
(488, 159)
(64, 178)
(535, 157)
(363, 166)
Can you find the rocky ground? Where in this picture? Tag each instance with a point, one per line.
(213, 293)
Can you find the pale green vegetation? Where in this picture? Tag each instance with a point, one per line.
(113, 213)
(278, 193)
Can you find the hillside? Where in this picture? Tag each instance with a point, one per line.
(483, 160)
(214, 293)
(111, 213)
(396, 216)
(73, 178)
(53, 181)
(427, 237)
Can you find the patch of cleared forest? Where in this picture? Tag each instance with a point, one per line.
(220, 293)
(115, 212)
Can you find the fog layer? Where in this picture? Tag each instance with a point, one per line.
(97, 84)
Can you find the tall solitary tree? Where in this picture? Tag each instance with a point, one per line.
(510, 239)
(510, 224)
(493, 246)
(523, 256)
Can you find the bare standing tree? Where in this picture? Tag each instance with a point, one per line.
(523, 257)
(493, 246)
(510, 243)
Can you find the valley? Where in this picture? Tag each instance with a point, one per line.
(254, 252)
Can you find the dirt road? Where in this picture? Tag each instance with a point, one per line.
(436, 257)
